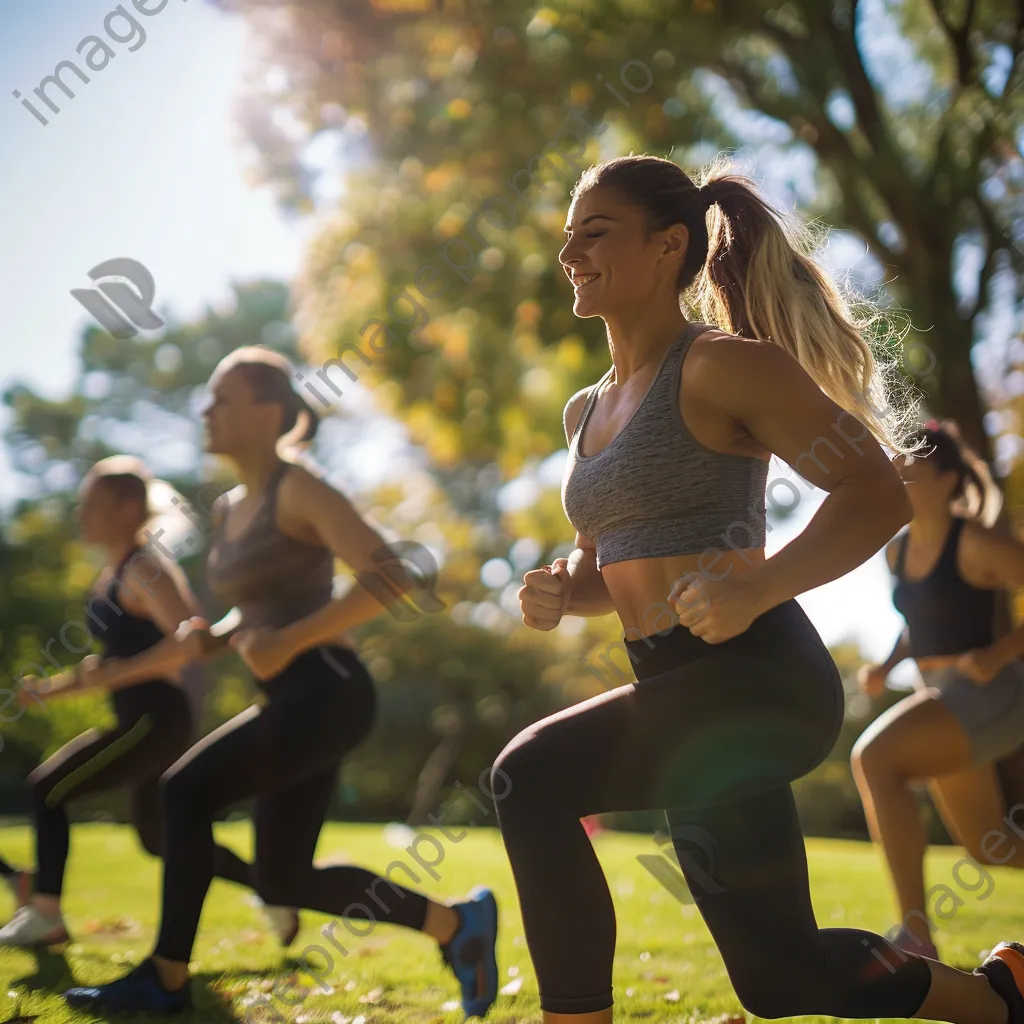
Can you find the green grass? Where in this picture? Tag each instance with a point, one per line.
(664, 949)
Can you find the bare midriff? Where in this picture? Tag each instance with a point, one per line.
(937, 661)
(640, 587)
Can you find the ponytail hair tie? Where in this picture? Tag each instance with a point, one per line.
(932, 425)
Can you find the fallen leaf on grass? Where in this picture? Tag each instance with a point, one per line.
(673, 996)
(254, 938)
(512, 987)
(452, 1004)
(372, 996)
(116, 926)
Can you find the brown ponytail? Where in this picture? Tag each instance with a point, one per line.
(975, 495)
(751, 274)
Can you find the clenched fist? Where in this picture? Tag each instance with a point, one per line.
(871, 680)
(545, 594)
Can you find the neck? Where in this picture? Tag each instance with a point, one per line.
(255, 468)
(116, 551)
(931, 524)
(636, 340)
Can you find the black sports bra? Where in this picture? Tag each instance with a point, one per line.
(122, 634)
(944, 613)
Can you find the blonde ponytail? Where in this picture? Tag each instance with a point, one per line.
(752, 274)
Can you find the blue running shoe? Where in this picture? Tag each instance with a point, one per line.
(470, 952)
(138, 992)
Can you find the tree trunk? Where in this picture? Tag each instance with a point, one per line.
(432, 777)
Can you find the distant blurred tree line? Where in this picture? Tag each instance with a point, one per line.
(437, 105)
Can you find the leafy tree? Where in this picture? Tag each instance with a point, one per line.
(907, 113)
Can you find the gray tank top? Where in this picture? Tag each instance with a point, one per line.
(272, 578)
(655, 491)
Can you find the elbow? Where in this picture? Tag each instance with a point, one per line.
(895, 508)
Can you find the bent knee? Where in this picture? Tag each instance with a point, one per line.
(874, 754)
(768, 1003)
(182, 792)
(523, 770)
(39, 787)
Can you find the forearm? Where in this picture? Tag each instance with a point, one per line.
(1011, 646)
(326, 624)
(158, 661)
(588, 594)
(899, 652)
(852, 524)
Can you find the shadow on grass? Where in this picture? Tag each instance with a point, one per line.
(53, 975)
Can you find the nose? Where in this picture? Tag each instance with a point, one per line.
(567, 256)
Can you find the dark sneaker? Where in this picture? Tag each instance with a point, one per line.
(470, 952)
(138, 992)
(1004, 970)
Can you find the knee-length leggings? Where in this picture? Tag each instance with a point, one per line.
(287, 754)
(715, 734)
(153, 729)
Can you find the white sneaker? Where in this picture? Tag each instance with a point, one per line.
(283, 920)
(30, 928)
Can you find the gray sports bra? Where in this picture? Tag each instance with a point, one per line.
(272, 578)
(655, 491)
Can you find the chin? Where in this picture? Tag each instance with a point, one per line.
(584, 309)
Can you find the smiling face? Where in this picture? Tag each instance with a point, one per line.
(613, 263)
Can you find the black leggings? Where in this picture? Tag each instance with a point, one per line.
(716, 733)
(153, 729)
(287, 754)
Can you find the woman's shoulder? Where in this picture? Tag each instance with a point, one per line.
(892, 549)
(574, 409)
(717, 347)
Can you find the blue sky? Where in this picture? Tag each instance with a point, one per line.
(141, 163)
(145, 162)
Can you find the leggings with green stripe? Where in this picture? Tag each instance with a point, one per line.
(154, 728)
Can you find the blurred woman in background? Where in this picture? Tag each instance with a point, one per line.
(137, 603)
(969, 711)
(276, 538)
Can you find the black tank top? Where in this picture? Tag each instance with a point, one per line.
(944, 613)
(122, 634)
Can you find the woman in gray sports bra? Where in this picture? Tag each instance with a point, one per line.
(273, 559)
(735, 695)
